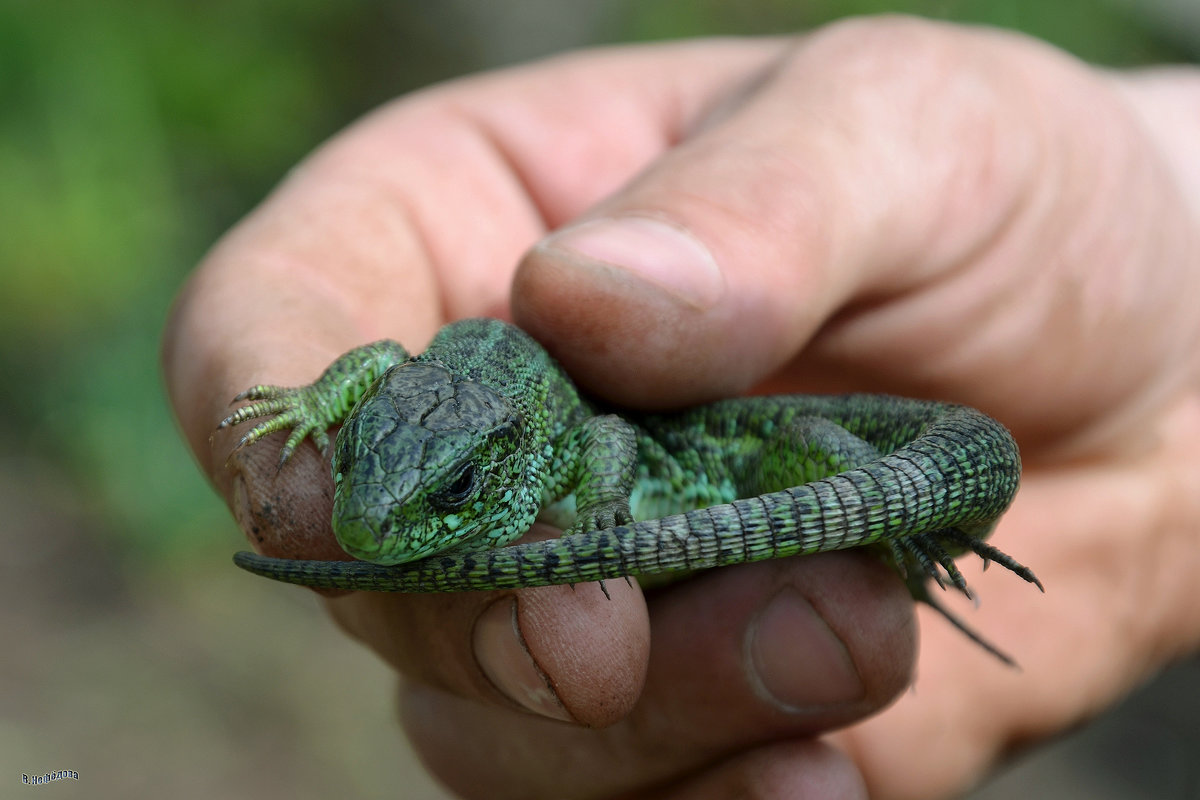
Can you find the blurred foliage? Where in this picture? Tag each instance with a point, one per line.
(134, 132)
(1103, 32)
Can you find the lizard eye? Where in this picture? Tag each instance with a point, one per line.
(455, 493)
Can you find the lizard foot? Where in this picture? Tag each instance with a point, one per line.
(928, 552)
(297, 408)
(602, 516)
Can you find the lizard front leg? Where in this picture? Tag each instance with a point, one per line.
(312, 409)
(596, 461)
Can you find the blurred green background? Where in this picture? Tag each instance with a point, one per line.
(131, 135)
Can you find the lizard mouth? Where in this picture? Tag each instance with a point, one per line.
(359, 539)
(376, 536)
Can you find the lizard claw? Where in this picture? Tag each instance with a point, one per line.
(294, 409)
(991, 554)
(603, 516)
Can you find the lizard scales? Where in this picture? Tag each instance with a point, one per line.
(446, 456)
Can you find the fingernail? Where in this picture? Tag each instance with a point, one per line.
(665, 255)
(795, 661)
(501, 653)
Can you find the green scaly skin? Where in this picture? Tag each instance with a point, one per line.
(445, 457)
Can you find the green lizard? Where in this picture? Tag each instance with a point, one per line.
(445, 457)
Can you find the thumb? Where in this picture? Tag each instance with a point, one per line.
(833, 179)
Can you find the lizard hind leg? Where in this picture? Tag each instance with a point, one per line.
(802, 450)
(917, 558)
(925, 551)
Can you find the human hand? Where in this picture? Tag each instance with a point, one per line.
(884, 205)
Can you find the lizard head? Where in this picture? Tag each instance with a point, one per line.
(429, 461)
